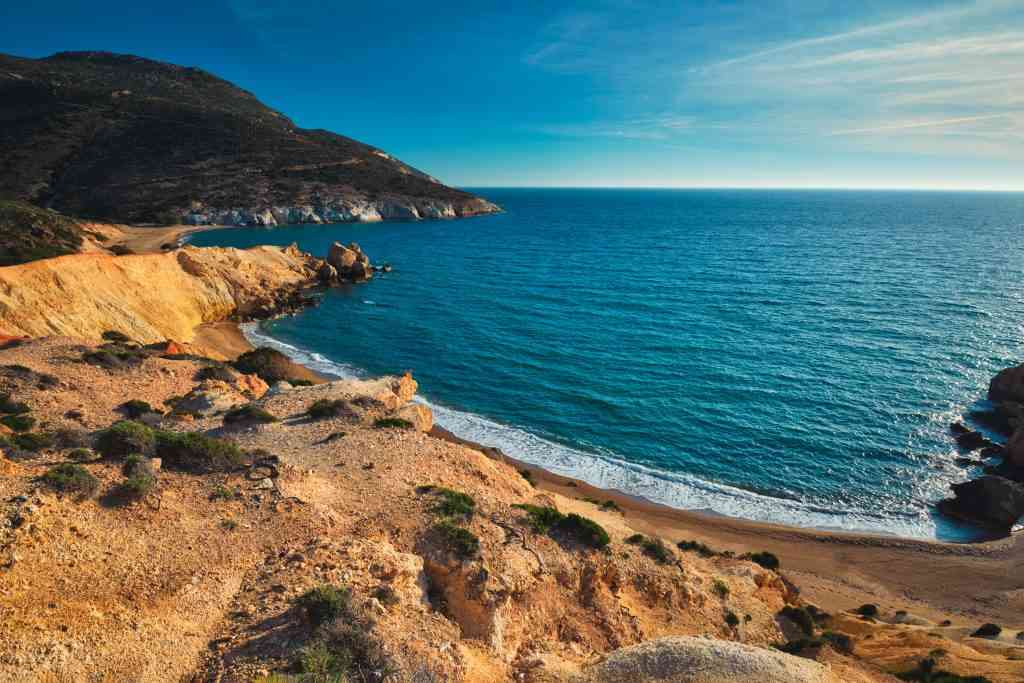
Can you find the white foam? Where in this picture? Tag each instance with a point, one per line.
(674, 489)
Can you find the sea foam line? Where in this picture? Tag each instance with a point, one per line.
(676, 490)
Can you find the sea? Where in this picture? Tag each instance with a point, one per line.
(785, 356)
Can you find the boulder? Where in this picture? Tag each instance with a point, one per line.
(1007, 385)
(972, 441)
(1014, 453)
(349, 262)
(341, 257)
(209, 398)
(688, 659)
(991, 500)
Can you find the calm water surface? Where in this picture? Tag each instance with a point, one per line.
(784, 356)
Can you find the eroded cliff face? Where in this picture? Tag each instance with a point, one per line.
(151, 297)
(341, 208)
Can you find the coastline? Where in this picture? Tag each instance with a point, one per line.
(837, 570)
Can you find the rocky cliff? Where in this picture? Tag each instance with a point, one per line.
(129, 139)
(152, 297)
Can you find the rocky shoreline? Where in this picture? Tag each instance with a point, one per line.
(996, 499)
(339, 209)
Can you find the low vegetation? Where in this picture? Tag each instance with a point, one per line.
(697, 547)
(528, 476)
(342, 647)
(926, 672)
(463, 543)
(987, 631)
(765, 559)
(187, 451)
(799, 616)
(9, 406)
(840, 642)
(269, 364)
(548, 520)
(222, 492)
(115, 356)
(450, 503)
(720, 588)
(71, 478)
(82, 455)
(324, 408)
(136, 408)
(217, 372)
(18, 423)
(32, 441)
(392, 423)
(870, 611)
(117, 337)
(606, 505)
(653, 548)
(248, 413)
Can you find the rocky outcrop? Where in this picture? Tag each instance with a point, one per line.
(1007, 385)
(153, 297)
(992, 501)
(683, 659)
(339, 208)
(349, 263)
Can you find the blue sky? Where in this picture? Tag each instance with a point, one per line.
(751, 93)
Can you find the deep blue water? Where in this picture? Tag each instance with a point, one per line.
(779, 355)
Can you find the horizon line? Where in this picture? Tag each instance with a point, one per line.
(834, 188)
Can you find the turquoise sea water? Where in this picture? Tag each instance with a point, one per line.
(776, 355)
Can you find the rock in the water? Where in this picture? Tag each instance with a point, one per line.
(959, 428)
(972, 441)
(1014, 453)
(349, 262)
(686, 659)
(991, 500)
(1007, 385)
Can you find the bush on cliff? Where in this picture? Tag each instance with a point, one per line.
(925, 672)
(799, 616)
(765, 559)
(392, 423)
(198, 453)
(551, 521)
(136, 408)
(269, 364)
(18, 423)
(652, 547)
(124, 438)
(248, 413)
(450, 503)
(462, 542)
(324, 408)
(71, 478)
(343, 647)
(33, 441)
(987, 631)
(8, 406)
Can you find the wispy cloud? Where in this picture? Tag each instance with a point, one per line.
(655, 128)
(902, 126)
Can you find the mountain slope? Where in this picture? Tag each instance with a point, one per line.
(131, 139)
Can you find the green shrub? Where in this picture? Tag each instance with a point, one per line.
(32, 441)
(462, 542)
(551, 521)
(720, 588)
(323, 408)
(344, 649)
(301, 382)
(731, 619)
(18, 423)
(867, 610)
(115, 356)
(540, 519)
(222, 492)
(228, 524)
(325, 603)
(451, 503)
(269, 364)
(248, 413)
(198, 453)
(71, 478)
(987, 631)
(136, 486)
(925, 672)
(386, 595)
(528, 476)
(840, 642)
(652, 547)
(765, 559)
(124, 438)
(610, 506)
(697, 547)
(82, 455)
(218, 372)
(136, 408)
(9, 406)
(392, 423)
(319, 662)
(799, 616)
